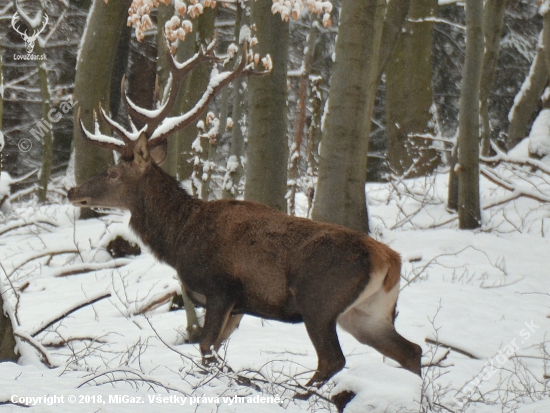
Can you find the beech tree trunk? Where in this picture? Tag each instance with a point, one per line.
(267, 156)
(2, 141)
(409, 95)
(47, 139)
(396, 13)
(295, 156)
(93, 83)
(234, 166)
(527, 99)
(7, 340)
(340, 196)
(469, 213)
(194, 85)
(493, 21)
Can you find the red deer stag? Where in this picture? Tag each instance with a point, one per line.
(240, 257)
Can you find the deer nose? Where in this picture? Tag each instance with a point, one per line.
(71, 193)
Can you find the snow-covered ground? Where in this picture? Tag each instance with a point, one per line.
(483, 295)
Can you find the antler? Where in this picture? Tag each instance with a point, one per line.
(14, 20)
(38, 31)
(157, 125)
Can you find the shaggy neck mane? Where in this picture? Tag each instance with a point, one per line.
(160, 209)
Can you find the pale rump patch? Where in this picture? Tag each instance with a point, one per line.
(384, 261)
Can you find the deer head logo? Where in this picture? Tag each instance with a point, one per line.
(29, 40)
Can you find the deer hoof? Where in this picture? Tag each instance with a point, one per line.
(209, 359)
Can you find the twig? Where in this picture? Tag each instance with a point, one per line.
(45, 358)
(490, 175)
(156, 303)
(92, 301)
(85, 268)
(43, 254)
(26, 224)
(439, 343)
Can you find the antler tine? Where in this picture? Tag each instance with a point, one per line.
(45, 20)
(131, 107)
(103, 141)
(14, 21)
(152, 118)
(179, 122)
(119, 130)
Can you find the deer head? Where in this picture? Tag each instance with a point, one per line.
(29, 40)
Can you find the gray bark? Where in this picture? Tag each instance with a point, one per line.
(469, 213)
(7, 340)
(526, 102)
(340, 196)
(93, 82)
(396, 13)
(301, 115)
(235, 171)
(47, 143)
(47, 139)
(493, 21)
(192, 89)
(409, 94)
(2, 139)
(266, 171)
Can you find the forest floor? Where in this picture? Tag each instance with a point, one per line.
(478, 302)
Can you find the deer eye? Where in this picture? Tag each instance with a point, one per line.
(113, 174)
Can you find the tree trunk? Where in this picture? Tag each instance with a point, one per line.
(194, 85)
(469, 213)
(234, 167)
(546, 40)
(409, 95)
(340, 196)
(266, 172)
(7, 340)
(94, 67)
(47, 143)
(452, 193)
(396, 13)
(2, 141)
(307, 62)
(47, 138)
(527, 98)
(493, 20)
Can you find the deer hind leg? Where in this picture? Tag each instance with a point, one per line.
(218, 311)
(325, 340)
(371, 322)
(231, 324)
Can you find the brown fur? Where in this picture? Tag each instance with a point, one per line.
(238, 257)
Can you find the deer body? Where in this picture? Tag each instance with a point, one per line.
(239, 257)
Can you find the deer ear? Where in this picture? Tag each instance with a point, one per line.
(158, 153)
(141, 151)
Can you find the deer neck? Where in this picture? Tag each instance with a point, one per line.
(160, 212)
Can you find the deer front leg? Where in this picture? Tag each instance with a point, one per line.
(218, 310)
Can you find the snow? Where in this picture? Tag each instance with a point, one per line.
(173, 123)
(84, 34)
(539, 137)
(99, 137)
(482, 293)
(5, 182)
(244, 34)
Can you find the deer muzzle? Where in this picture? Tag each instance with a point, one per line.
(78, 200)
